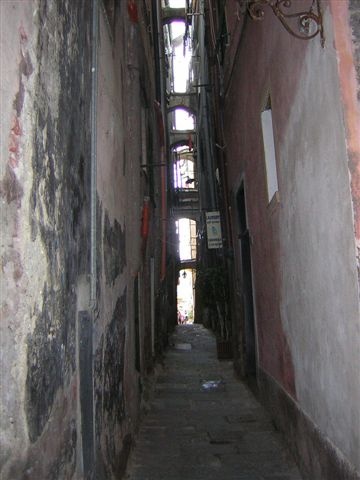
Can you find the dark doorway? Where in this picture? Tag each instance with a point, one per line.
(247, 292)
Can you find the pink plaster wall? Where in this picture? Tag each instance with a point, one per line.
(252, 71)
(303, 245)
(348, 88)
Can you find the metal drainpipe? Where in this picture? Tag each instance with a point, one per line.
(93, 115)
(204, 110)
(161, 52)
(93, 183)
(200, 119)
(163, 149)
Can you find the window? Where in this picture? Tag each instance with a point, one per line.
(269, 150)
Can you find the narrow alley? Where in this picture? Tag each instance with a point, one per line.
(179, 239)
(203, 423)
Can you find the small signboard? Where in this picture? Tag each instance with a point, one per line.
(213, 229)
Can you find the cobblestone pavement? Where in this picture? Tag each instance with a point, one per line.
(203, 423)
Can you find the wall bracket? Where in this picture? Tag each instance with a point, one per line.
(304, 25)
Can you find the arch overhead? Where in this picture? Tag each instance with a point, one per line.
(178, 213)
(190, 211)
(185, 101)
(173, 14)
(181, 139)
(187, 264)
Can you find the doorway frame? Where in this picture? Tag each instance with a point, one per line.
(239, 286)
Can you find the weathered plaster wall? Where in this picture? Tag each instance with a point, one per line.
(112, 333)
(320, 306)
(346, 20)
(14, 324)
(56, 353)
(125, 87)
(44, 192)
(303, 248)
(245, 163)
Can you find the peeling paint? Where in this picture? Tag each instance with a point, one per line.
(114, 250)
(57, 207)
(47, 364)
(45, 192)
(109, 388)
(10, 187)
(12, 257)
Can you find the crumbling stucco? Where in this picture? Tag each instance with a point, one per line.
(45, 200)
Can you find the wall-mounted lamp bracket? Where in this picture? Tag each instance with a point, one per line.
(303, 25)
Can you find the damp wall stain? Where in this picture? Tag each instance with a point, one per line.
(58, 212)
(114, 249)
(50, 112)
(109, 392)
(10, 187)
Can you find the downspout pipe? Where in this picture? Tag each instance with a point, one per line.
(204, 112)
(163, 213)
(161, 111)
(161, 136)
(93, 206)
(93, 167)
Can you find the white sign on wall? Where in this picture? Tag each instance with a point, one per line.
(213, 229)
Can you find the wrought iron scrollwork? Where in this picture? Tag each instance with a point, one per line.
(303, 25)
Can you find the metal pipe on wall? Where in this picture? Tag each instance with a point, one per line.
(204, 127)
(93, 199)
(93, 122)
(163, 143)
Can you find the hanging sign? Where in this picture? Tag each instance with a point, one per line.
(213, 229)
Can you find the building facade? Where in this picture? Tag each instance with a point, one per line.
(95, 173)
(84, 280)
(288, 124)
